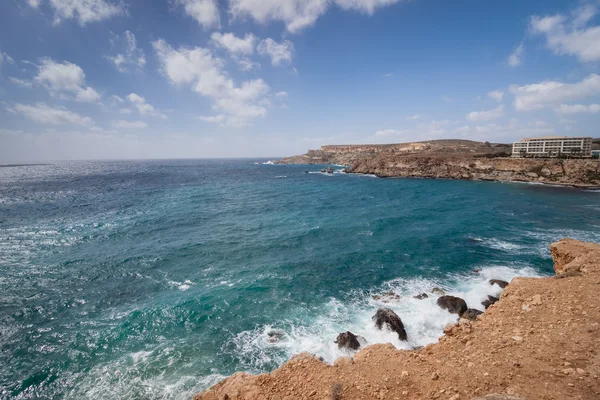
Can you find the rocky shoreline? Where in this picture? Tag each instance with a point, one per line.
(539, 340)
(457, 160)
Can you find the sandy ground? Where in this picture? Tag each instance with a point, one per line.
(540, 341)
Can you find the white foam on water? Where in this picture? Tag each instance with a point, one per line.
(182, 285)
(424, 320)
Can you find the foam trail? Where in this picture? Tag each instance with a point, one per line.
(423, 320)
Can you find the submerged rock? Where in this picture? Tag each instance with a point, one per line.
(499, 282)
(490, 300)
(438, 291)
(471, 314)
(454, 305)
(275, 336)
(421, 296)
(349, 340)
(385, 316)
(387, 297)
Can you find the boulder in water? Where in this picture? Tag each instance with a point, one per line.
(454, 305)
(490, 300)
(471, 314)
(499, 282)
(385, 316)
(387, 297)
(421, 296)
(349, 340)
(438, 291)
(275, 336)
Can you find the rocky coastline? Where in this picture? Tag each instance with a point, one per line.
(454, 159)
(539, 340)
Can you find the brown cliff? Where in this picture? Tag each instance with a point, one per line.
(454, 159)
(540, 341)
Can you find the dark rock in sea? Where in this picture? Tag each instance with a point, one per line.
(477, 270)
(387, 297)
(471, 314)
(421, 296)
(275, 336)
(454, 305)
(392, 320)
(348, 340)
(438, 291)
(499, 282)
(490, 300)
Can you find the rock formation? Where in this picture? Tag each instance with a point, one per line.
(541, 341)
(454, 305)
(386, 317)
(453, 159)
(348, 340)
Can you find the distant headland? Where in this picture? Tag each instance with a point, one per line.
(460, 159)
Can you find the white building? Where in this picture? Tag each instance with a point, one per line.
(553, 146)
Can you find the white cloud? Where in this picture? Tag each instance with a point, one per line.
(497, 95)
(205, 12)
(234, 44)
(488, 115)
(84, 11)
(414, 117)
(142, 107)
(213, 119)
(65, 80)
(367, 6)
(578, 108)
(570, 35)
(279, 52)
(516, 57)
(281, 94)
(298, 14)
(127, 53)
(21, 82)
(205, 74)
(122, 124)
(551, 93)
(5, 59)
(50, 115)
(117, 99)
(125, 111)
(247, 64)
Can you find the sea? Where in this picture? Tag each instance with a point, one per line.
(157, 279)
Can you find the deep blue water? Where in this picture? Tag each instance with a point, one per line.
(155, 279)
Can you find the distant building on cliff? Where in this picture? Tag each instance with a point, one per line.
(553, 146)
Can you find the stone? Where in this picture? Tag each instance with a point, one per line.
(471, 314)
(454, 305)
(387, 297)
(435, 376)
(499, 282)
(421, 296)
(438, 291)
(536, 300)
(348, 340)
(275, 336)
(386, 316)
(490, 300)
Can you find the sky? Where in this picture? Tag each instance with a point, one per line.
(135, 79)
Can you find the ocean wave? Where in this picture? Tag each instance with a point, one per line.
(261, 348)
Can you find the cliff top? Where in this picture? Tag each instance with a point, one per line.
(540, 341)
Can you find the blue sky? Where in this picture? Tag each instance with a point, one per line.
(107, 79)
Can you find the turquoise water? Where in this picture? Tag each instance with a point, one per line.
(155, 279)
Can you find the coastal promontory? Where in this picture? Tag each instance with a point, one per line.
(454, 159)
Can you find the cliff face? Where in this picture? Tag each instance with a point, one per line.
(540, 341)
(575, 172)
(453, 159)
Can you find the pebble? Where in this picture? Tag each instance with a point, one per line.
(580, 371)
(455, 397)
(517, 338)
(434, 376)
(404, 373)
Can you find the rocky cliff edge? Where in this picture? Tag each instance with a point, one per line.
(540, 341)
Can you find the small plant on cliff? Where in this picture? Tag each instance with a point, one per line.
(336, 391)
